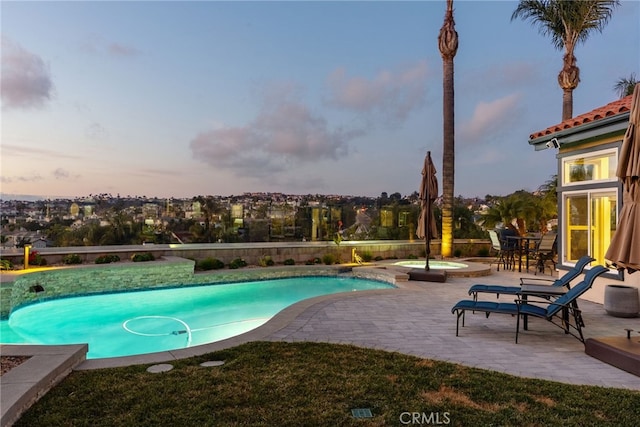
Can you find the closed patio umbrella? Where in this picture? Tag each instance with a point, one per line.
(624, 250)
(428, 194)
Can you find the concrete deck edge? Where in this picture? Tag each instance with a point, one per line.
(23, 385)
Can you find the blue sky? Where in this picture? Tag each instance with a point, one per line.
(194, 98)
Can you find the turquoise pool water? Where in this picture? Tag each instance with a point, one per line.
(142, 322)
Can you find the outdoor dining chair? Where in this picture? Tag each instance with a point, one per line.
(545, 253)
(504, 252)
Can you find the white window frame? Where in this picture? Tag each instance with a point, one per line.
(589, 192)
(599, 153)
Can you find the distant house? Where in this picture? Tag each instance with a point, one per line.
(41, 243)
(589, 193)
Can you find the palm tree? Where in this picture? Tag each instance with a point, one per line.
(504, 211)
(448, 45)
(624, 86)
(568, 23)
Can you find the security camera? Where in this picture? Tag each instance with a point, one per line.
(553, 143)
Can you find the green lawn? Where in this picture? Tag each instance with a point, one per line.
(312, 384)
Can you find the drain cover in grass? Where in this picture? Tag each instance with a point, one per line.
(361, 413)
(212, 363)
(163, 367)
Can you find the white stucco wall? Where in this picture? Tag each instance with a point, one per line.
(596, 293)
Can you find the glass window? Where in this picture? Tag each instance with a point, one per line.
(403, 219)
(590, 221)
(386, 218)
(590, 167)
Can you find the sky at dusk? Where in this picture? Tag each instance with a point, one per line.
(177, 99)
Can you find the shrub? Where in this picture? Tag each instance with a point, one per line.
(457, 253)
(266, 261)
(72, 259)
(36, 259)
(378, 258)
(366, 256)
(237, 263)
(483, 252)
(5, 264)
(412, 256)
(147, 256)
(289, 261)
(312, 261)
(209, 264)
(329, 259)
(107, 259)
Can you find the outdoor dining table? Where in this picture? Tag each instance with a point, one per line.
(523, 246)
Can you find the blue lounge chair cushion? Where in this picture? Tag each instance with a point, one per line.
(487, 306)
(535, 310)
(514, 290)
(494, 289)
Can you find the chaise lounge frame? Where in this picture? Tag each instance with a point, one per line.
(565, 281)
(559, 312)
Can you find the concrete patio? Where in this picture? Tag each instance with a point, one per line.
(417, 320)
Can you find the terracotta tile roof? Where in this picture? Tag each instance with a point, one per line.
(611, 109)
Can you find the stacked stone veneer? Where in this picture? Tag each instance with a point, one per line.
(86, 280)
(300, 252)
(166, 272)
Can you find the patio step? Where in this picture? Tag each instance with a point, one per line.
(621, 352)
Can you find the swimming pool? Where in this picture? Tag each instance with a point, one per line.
(140, 322)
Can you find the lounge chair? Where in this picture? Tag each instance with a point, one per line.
(571, 274)
(558, 311)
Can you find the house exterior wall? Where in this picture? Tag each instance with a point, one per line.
(595, 136)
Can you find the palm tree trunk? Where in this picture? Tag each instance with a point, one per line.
(567, 104)
(568, 80)
(448, 45)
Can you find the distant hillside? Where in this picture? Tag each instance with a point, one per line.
(25, 197)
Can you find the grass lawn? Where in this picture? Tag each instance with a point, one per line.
(315, 384)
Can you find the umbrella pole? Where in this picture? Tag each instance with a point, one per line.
(427, 234)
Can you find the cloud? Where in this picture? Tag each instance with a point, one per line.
(284, 133)
(16, 150)
(392, 95)
(95, 131)
(490, 118)
(118, 49)
(63, 174)
(26, 80)
(95, 45)
(60, 174)
(22, 178)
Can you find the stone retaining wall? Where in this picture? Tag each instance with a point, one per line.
(300, 252)
(86, 280)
